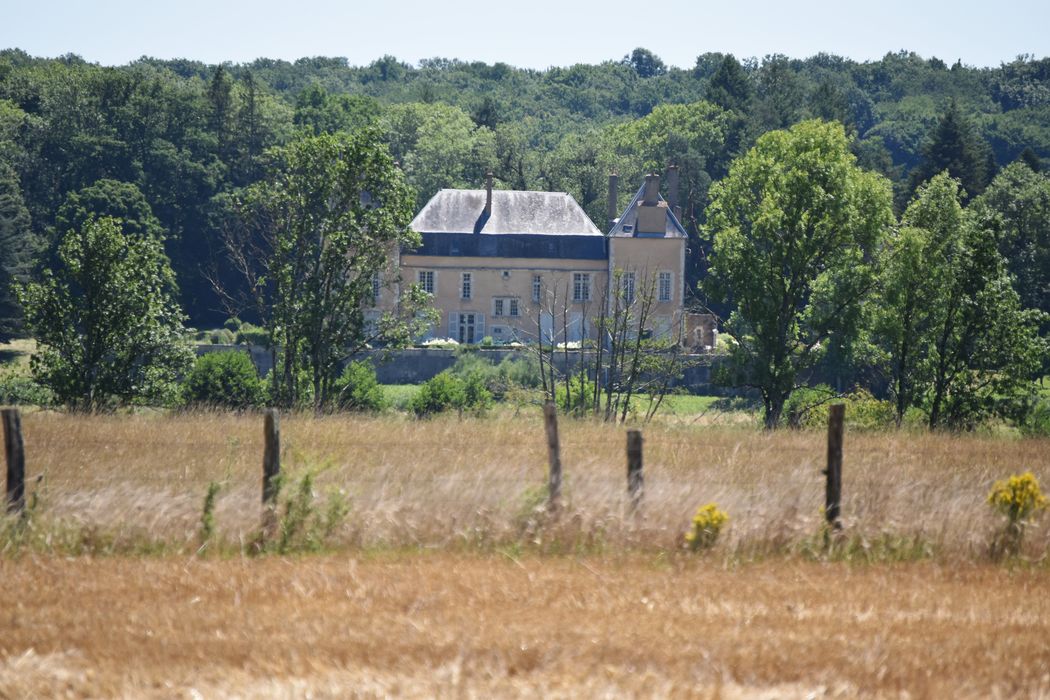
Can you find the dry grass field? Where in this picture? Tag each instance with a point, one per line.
(459, 625)
(444, 578)
(122, 483)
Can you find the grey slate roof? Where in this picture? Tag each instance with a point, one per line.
(627, 225)
(513, 212)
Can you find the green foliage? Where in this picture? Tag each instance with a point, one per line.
(108, 325)
(446, 391)
(17, 246)
(706, 526)
(249, 334)
(795, 226)
(357, 389)
(808, 407)
(1017, 203)
(19, 390)
(440, 393)
(580, 396)
(334, 208)
(227, 379)
(301, 527)
(499, 379)
(953, 147)
(118, 200)
(207, 524)
(1037, 422)
(953, 336)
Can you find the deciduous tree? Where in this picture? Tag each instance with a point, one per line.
(106, 319)
(795, 227)
(332, 214)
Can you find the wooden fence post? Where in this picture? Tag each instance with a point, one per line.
(14, 451)
(550, 421)
(271, 468)
(635, 479)
(833, 492)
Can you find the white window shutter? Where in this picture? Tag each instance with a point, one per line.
(453, 325)
(479, 325)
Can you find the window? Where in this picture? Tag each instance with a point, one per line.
(426, 281)
(628, 287)
(505, 306)
(581, 286)
(506, 274)
(375, 288)
(466, 286)
(665, 286)
(537, 287)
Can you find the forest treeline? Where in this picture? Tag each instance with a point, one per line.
(167, 145)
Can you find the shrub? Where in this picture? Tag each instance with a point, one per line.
(437, 394)
(476, 395)
(581, 394)
(521, 371)
(447, 391)
(249, 334)
(18, 390)
(224, 379)
(1018, 499)
(358, 389)
(707, 525)
(232, 324)
(222, 336)
(1037, 422)
(808, 407)
(498, 379)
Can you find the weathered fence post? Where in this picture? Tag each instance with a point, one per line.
(635, 479)
(271, 468)
(833, 492)
(14, 451)
(550, 421)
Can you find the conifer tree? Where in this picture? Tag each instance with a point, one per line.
(954, 147)
(16, 248)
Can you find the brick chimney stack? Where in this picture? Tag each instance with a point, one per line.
(651, 196)
(488, 193)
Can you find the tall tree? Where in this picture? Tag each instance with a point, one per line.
(1018, 206)
(331, 214)
(220, 119)
(953, 146)
(645, 63)
(730, 87)
(106, 319)
(918, 269)
(16, 250)
(795, 226)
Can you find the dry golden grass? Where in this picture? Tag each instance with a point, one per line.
(450, 483)
(441, 582)
(444, 625)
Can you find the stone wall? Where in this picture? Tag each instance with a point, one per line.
(416, 365)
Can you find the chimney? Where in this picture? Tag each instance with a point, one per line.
(651, 197)
(488, 193)
(613, 193)
(672, 187)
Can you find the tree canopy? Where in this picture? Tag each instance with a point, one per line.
(795, 225)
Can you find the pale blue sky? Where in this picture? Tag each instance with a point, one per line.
(532, 33)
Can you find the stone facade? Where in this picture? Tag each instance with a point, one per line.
(514, 266)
